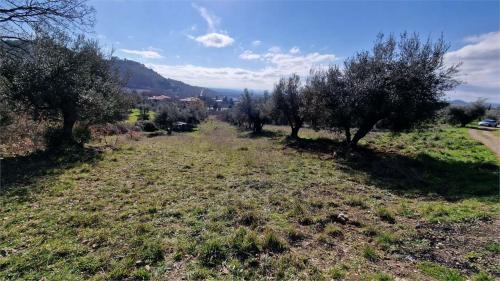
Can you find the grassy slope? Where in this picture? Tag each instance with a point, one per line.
(218, 203)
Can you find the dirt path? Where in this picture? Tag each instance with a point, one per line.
(487, 138)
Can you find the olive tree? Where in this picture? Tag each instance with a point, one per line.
(463, 115)
(167, 116)
(70, 80)
(288, 100)
(400, 83)
(253, 111)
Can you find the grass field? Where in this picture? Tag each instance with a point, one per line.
(134, 115)
(218, 203)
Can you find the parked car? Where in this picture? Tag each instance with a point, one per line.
(488, 123)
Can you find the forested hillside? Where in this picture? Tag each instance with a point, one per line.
(138, 77)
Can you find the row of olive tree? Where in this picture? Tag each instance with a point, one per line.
(251, 112)
(170, 113)
(400, 84)
(464, 114)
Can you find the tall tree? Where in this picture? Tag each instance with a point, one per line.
(68, 80)
(253, 111)
(288, 99)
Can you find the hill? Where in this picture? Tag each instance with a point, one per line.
(140, 78)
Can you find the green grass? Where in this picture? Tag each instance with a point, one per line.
(134, 115)
(222, 204)
(440, 272)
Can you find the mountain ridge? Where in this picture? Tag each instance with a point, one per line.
(138, 77)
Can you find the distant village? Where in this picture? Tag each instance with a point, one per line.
(210, 103)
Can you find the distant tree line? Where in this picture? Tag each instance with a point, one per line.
(399, 85)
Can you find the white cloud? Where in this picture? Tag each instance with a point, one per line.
(294, 50)
(276, 65)
(480, 68)
(256, 43)
(147, 54)
(249, 55)
(211, 19)
(216, 40)
(274, 49)
(213, 38)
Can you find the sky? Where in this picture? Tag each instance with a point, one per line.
(251, 44)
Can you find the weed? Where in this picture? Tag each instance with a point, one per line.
(493, 247)
(370, 231)
(482, 276)
(370, 254)
(385, 240)
(213, 252)
(380, 276)
(386, 215)
(337, 273)
(295, 235)
(357, 201)
(272, 242)
(245, 243)
(333, 230)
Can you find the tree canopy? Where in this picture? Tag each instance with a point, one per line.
(66, 79)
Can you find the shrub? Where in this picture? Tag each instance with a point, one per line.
(147, 126)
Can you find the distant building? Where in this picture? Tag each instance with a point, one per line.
(159, 98)
(192, 101)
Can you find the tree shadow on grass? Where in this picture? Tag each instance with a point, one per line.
(22, 171)
(264, 134)
(419, 175)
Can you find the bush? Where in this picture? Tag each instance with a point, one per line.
(147, 126)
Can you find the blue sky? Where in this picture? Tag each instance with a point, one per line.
(237, 44)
